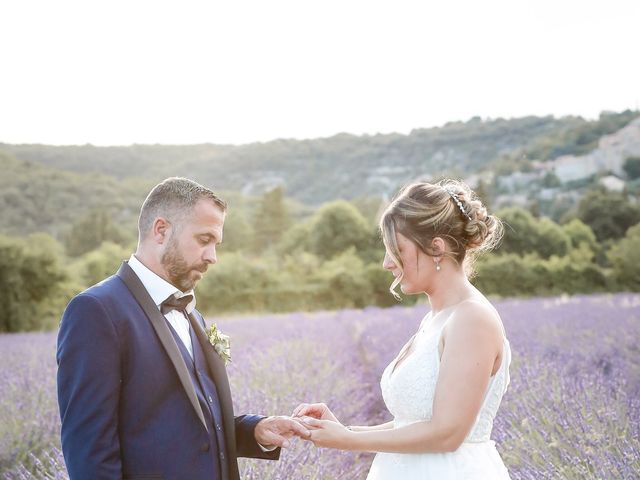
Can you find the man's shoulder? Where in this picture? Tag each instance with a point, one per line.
(112, 285)
(110, 291)
(109, 298)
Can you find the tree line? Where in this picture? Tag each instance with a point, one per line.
(280, 256)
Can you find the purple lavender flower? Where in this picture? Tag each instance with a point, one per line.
(572, 410)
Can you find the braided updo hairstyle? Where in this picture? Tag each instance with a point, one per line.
(448, 209)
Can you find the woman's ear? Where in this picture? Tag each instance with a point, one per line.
(439, 247)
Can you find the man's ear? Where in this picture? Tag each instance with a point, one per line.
(161, 230)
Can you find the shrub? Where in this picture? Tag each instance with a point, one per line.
(31, 278)
(344, 282)
(104, 261)
(625, 259)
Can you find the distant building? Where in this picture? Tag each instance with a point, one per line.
(609, 156)
(612, 183)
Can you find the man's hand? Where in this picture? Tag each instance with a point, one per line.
(315, 410)
(278, 430)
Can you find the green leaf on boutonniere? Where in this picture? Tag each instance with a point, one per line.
(221, 343)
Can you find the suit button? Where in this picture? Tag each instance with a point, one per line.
(218, 427)
(205, 447)
(221, 456)
(210, 399)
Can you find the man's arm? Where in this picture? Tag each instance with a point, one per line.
(89, 380)
(246, 443)
(274, 431)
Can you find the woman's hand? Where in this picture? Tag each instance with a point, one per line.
(319, 411)
(329, 434)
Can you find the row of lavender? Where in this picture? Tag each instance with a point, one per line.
(572, 410)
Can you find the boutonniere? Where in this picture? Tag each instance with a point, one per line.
(221, 343)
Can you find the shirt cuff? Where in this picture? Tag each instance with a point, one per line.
(267, 448)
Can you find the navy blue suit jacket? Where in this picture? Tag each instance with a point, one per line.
(127, 404)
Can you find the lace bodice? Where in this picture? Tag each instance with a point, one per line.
(409, 388)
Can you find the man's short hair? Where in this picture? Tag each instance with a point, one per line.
(173, 199)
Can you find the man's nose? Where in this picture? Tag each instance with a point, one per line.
(210, 256)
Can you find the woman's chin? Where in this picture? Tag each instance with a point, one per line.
(410, 290)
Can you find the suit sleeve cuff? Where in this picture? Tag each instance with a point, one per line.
(246, 443)
(267, 448)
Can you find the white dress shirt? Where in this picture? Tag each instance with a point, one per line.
(159, 290)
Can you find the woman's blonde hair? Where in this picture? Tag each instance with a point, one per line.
(448, 209)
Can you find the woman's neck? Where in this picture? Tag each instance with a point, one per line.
(450, 291)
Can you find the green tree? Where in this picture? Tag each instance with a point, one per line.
(520, 233)
(529, 275)
(98, 264)
(238, 234)
(485, 192)
(380, 280)
(30, 275)
(271, 220)
(370, 207)
(511, 274)
(297, 238)
(551, 180)
(632, 167)
(237, 283)
(575, 273)
(526, 234)
(580, 233)
(344, 282)
(90, 231)
(625, 259)
(338, 226)
(609, 214)
(552, 239)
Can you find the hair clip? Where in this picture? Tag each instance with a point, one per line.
(458, 202)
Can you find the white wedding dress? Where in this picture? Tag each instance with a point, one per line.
(408, 393)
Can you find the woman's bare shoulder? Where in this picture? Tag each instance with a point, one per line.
(475, 317)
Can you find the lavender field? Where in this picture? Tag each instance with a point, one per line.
(572, 410)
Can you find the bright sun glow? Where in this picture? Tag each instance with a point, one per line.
(123, 72)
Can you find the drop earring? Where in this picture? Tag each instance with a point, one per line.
(438, 266)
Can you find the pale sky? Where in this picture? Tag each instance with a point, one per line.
(121, 72)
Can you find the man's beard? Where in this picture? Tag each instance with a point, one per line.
(177, 267)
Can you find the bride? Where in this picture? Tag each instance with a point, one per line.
(445, 386)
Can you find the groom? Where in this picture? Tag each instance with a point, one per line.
(142, 392)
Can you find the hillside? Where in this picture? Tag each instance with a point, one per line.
(40, 198)
(35, 197)
(46, 188)
(556, 185)
(314, 171)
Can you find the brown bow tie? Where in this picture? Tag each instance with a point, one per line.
(173, 303)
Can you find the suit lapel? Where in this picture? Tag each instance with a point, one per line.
(159, 324)
(219, 374)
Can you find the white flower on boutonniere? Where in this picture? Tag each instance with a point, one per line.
(221, 343)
